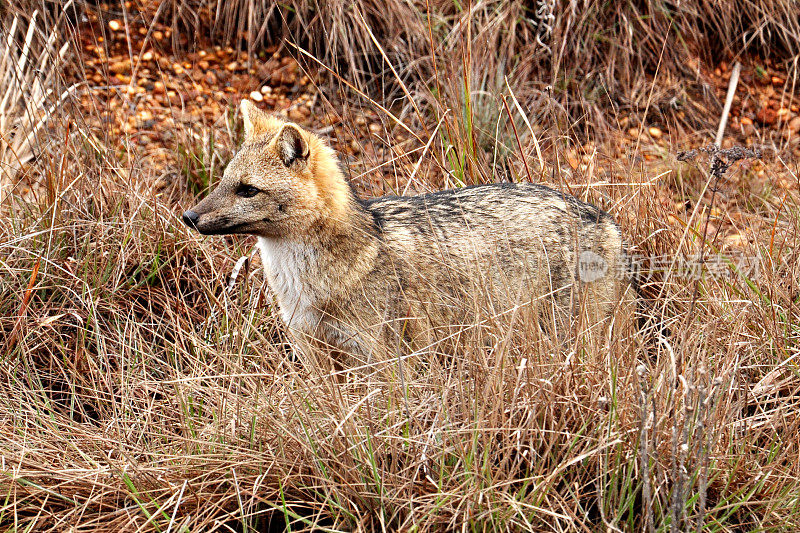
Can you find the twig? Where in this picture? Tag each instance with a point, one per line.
(519, 144)
(644, 447)
(680, 451)
(213, 316)
(719, 163)
(26, 298)
(723, 121)
(527, 123)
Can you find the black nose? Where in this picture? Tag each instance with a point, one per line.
(190, 219)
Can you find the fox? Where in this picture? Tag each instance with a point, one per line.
(358, 280)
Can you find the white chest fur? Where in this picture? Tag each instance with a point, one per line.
(287, 265)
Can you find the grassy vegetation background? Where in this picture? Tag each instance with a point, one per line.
(143, 387)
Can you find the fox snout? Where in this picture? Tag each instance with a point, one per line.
(208, 220)
(214, 215)
(190, 218)
(217, 225)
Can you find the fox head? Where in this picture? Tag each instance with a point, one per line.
(281, 182)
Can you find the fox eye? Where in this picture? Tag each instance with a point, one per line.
(246, 191)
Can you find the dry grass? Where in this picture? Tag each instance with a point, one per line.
(581, 56)
(138, 392)
(32, 57)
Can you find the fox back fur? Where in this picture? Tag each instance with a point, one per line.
(365, 278)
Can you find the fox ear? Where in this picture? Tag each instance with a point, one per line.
(292, 145)
(255, 120)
